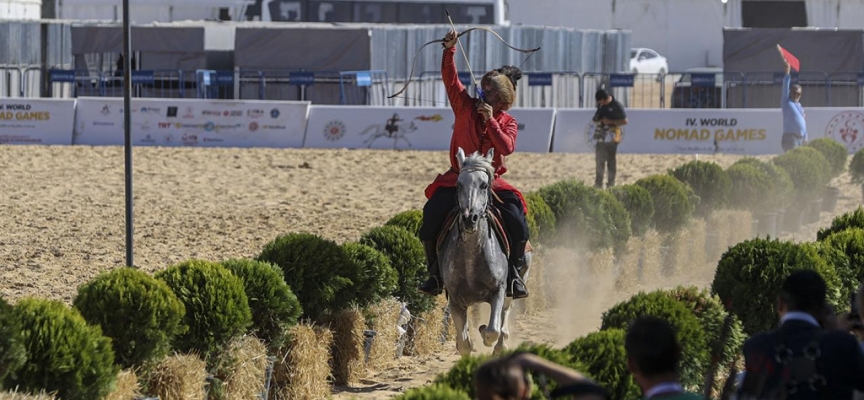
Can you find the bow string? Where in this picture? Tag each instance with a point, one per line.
(530, 52)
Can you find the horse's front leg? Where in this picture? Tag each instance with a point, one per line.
(505, 327)
(460, 320)
(492, 331)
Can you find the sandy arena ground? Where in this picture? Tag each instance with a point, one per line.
(62, 217)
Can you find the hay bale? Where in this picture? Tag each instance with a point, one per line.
(303, 368)
(426, 332)
(181, 376)
(449, 330)
(126, 387)
(347, 352)
(601, 262)
(15, 395)
(697, 243)
(628, 266)
(246, 374)
(743, 223)
(678, 255)
(652, 257)
(383, 318)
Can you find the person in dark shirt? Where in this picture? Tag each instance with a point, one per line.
(609, 119)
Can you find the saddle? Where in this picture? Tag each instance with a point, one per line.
(497, 226)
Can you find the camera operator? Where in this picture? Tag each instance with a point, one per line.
(608, 119)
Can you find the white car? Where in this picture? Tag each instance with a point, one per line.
(647, 61)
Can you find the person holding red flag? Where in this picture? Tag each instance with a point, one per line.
(794, 125)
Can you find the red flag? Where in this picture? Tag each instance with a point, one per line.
(793, 62)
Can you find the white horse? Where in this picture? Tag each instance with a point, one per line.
(473, 264)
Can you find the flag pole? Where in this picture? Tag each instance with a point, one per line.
(127, 125)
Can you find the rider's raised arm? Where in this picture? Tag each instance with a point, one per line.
(503, 135)
(456, 92)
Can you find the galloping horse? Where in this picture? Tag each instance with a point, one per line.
(473, 262)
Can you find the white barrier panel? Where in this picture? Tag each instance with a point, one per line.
(535, 129)
(417, 128)
(36, 121)
(733, 131)
(193, 122)
(845, 125)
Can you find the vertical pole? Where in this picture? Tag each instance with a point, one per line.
(127, 125)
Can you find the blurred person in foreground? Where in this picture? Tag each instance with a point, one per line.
(810, 356)
(508, 378)
(653, 357)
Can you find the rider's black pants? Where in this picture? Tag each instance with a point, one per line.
(444, 200)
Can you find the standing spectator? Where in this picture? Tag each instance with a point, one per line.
(508, 379)
(808, 356)
(794, 126)
(609, 118)
(653, 357)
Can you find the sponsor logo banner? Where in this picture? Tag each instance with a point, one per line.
(36, 121)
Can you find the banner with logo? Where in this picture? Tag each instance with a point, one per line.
(845, 125)
(193, 122)
(417, 128)
(36, 121)
(732, 131)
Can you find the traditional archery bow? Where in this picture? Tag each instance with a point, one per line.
(530, 52)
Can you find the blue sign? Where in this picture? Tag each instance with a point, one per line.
(465, 78)
(539, 79)
(143, 77)
(301, 78)
(703, 80)
(223, 78)
(621, 80)
(364, 78)
(62, 75)
(778, 78)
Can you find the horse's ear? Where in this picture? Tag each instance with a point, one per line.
(491, 153)
(460, 156)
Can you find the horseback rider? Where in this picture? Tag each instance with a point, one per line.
(480, 124)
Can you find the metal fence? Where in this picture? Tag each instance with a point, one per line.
(563, 89)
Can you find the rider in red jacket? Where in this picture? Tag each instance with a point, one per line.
(479, 126)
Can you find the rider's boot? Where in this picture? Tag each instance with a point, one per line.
(432, 286)
(515, 286)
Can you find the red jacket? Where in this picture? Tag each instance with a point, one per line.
(472, 134)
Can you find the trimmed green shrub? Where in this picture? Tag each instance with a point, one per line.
(673, 201)
(856, 167)
(64, 353)
(750, 188)
(411, 220)
(852, 219)
(605, 359)
(691, 337)
(408, 258)
(433, 392)
(808, 169)
(217, 309)
(541, 219)
(373, 276)
(711, 314)
(781, 188)
(273, 305)
(461, 375)
(138, 312)
(637, 201)
(12, 351)
(585, 216)
(314, 269)
(849, 264)
(749, 276)
(835, 153)
(709, 181)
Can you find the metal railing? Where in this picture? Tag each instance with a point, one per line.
(560, 89)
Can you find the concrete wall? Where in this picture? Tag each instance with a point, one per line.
(689, 33)
(20, 9)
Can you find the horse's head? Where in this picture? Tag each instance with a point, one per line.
(472, 187)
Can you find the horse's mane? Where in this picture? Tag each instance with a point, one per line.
(477, 161)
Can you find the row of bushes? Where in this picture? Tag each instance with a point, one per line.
(711, 327)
